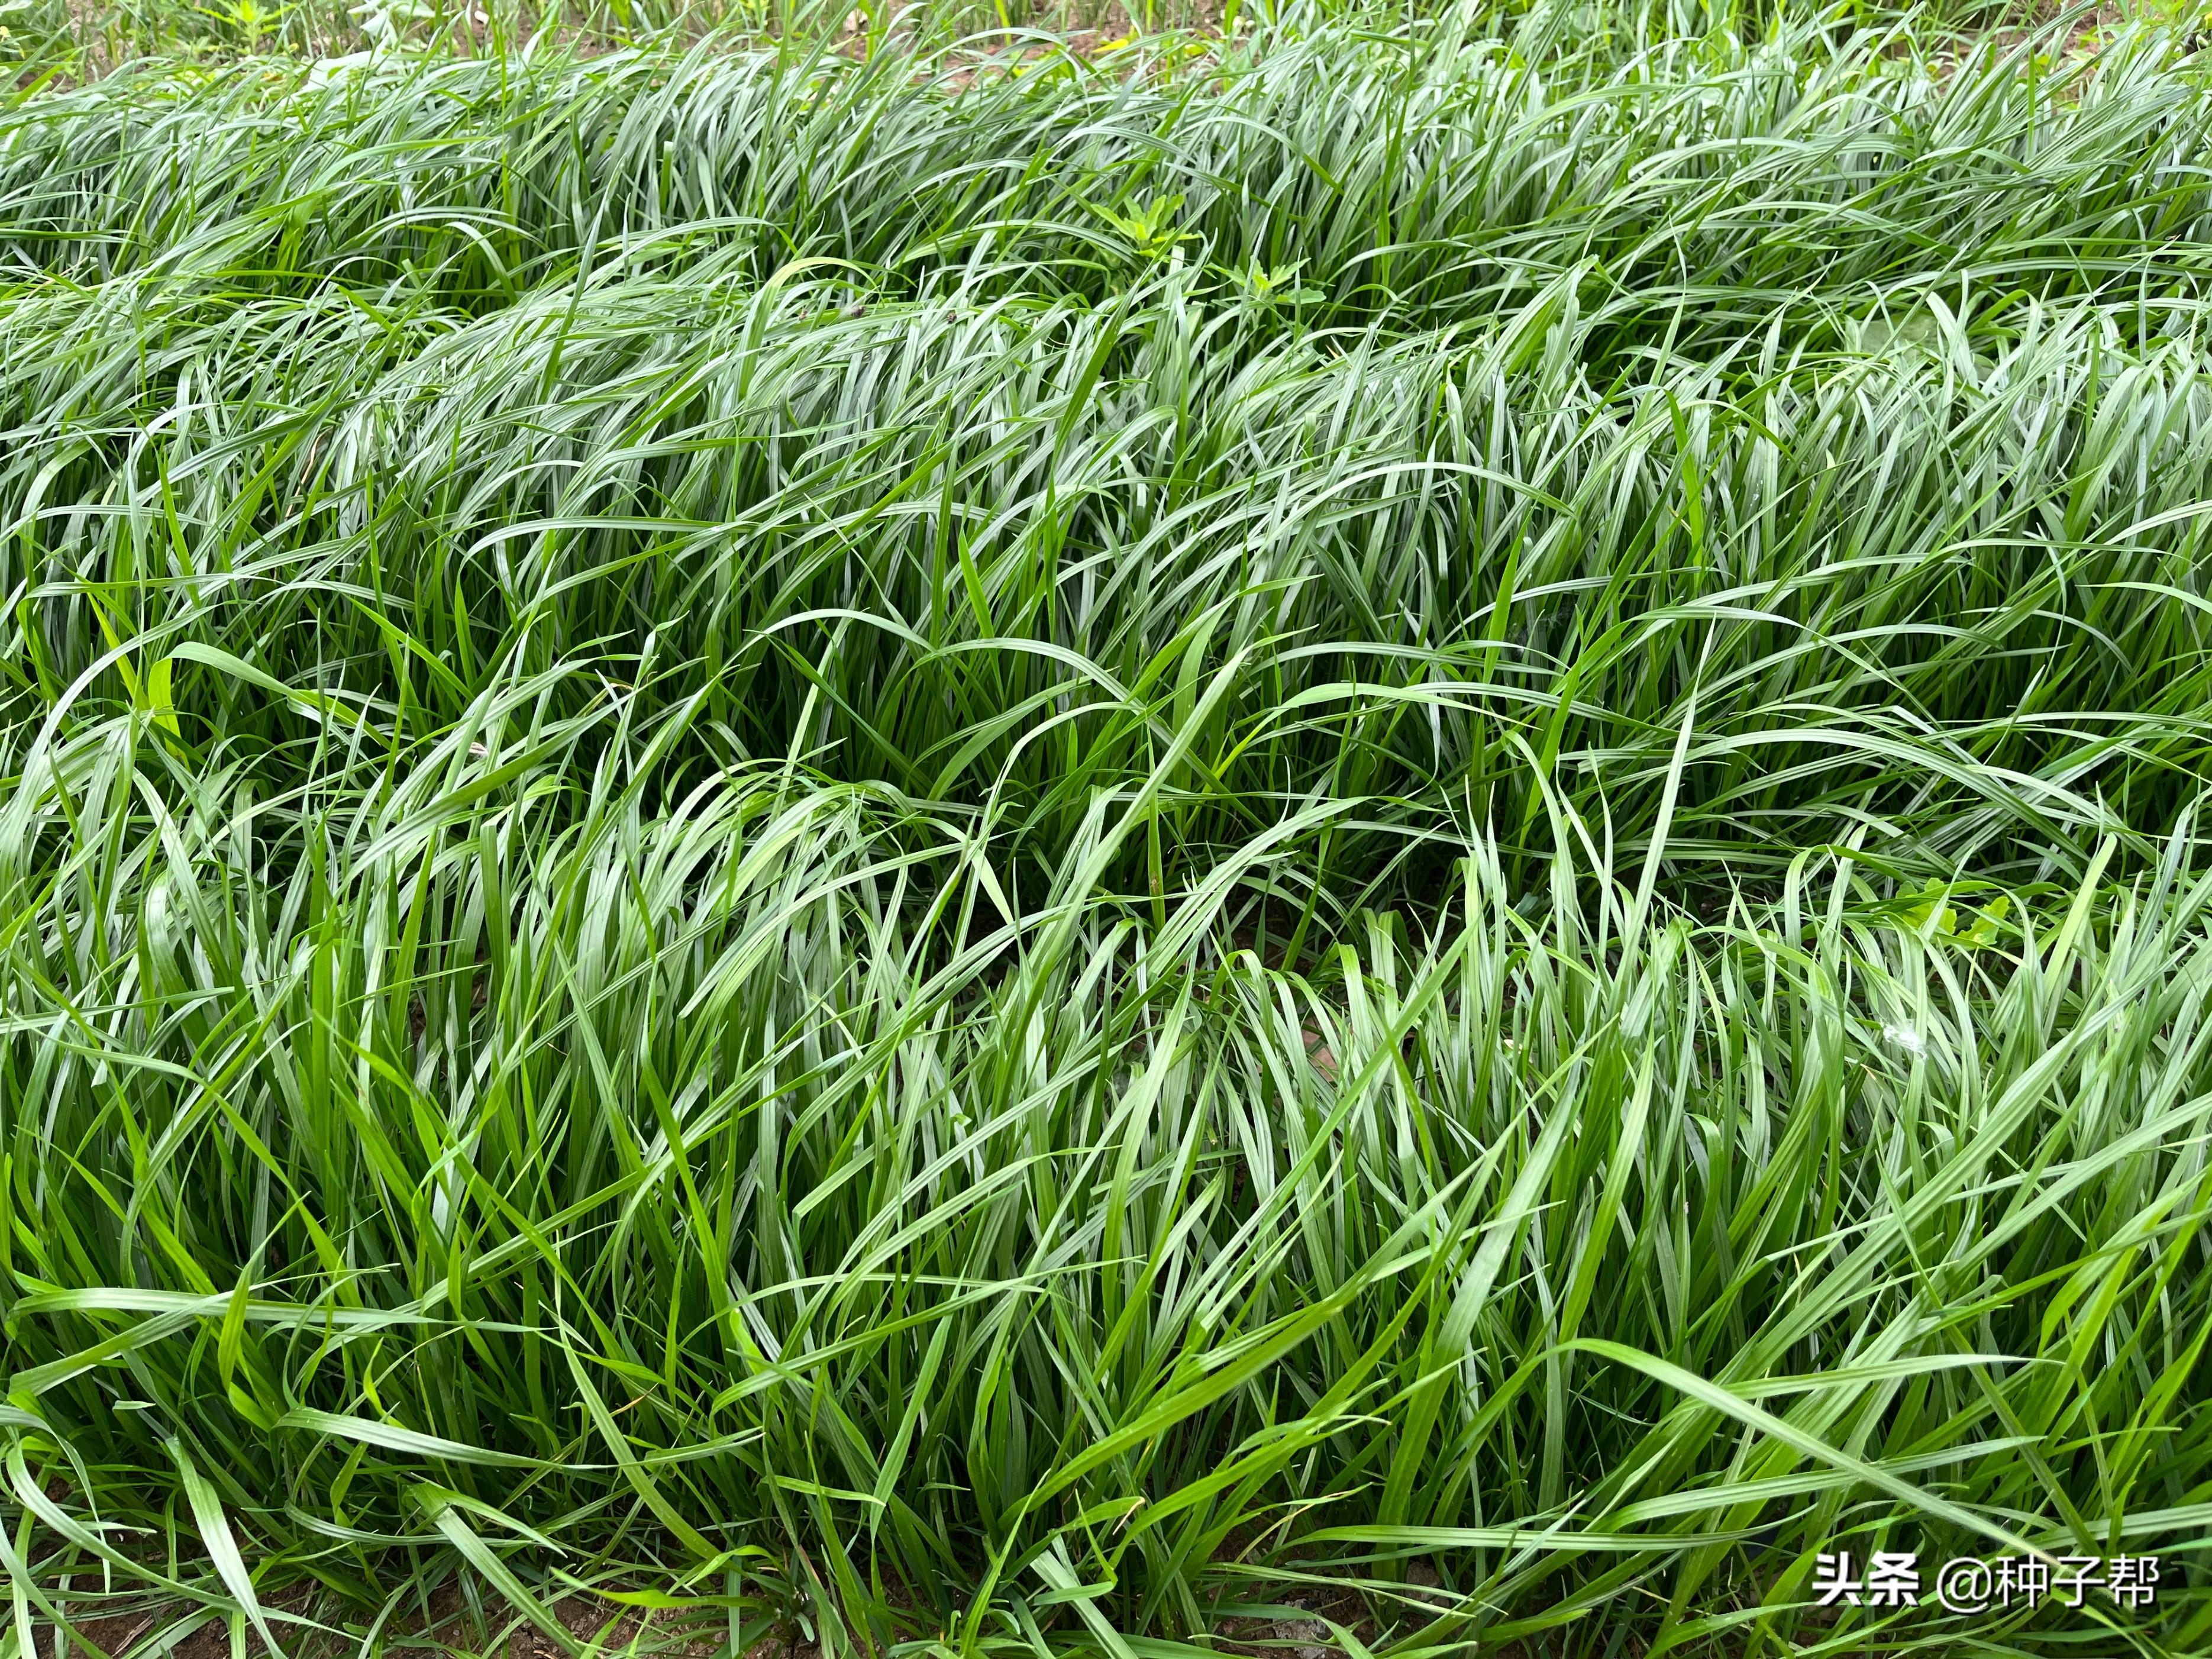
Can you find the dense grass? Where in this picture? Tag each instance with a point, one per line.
(1398, 824)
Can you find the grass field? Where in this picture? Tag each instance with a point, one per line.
(1364, 833)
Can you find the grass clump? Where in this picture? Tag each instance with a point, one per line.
(1371, 833)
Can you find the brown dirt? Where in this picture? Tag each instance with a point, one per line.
(447, 1630)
